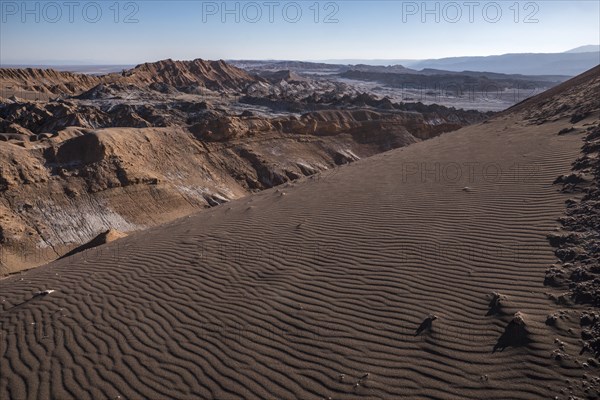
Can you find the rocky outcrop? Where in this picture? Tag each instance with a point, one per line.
(186, 75)
(162, 76)
(48, 81)
(577, 244)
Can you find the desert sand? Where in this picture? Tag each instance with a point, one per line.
(322, 288)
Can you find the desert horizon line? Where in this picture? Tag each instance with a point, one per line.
(311, 60)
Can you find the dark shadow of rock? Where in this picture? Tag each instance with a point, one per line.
(515, 334)
(426, 325)
(103, 238)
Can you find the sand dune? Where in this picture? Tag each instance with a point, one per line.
(317, 289)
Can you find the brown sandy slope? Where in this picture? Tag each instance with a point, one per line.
(60, 192)
(274, 296)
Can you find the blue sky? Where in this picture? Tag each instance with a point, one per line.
(95, 32)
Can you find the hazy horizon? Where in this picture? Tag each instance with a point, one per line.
(67, 63)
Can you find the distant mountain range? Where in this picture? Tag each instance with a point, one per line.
(571, 63)
(527, 64)
(585, 49)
